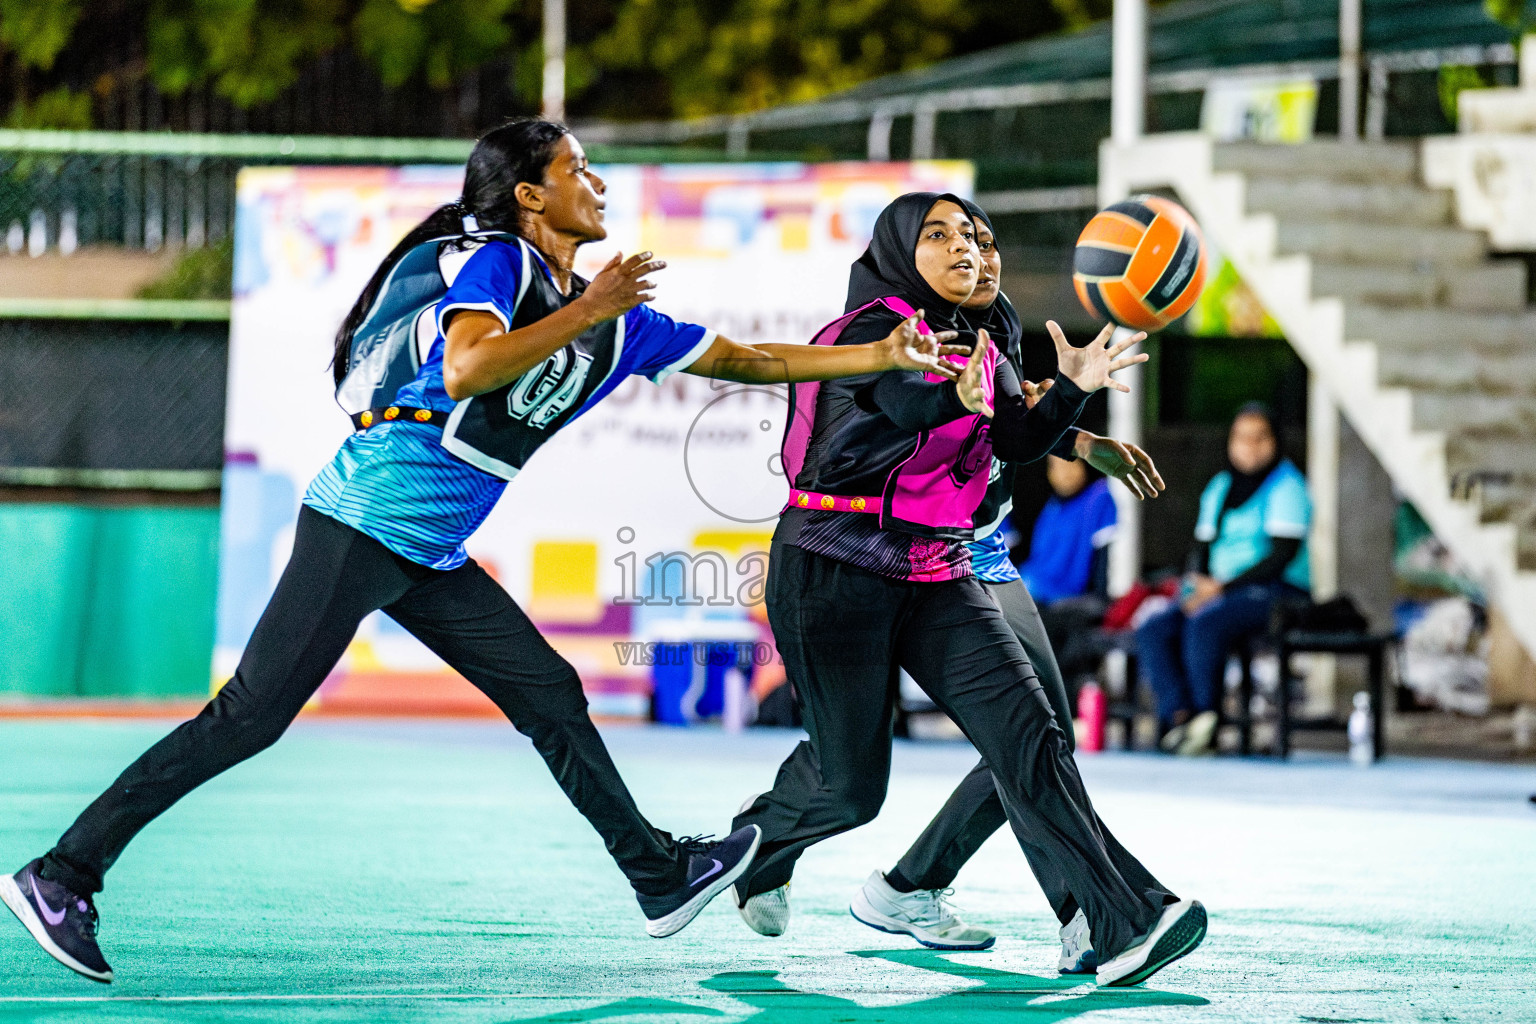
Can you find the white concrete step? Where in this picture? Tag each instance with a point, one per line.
(1449, 411)
(1340, 240)
(1511, 501)
(1457, 371)
(1442, 330)
(1496, 111)
(1379, 162)
(1310, 198)
(1490, 287)
(1492, 453)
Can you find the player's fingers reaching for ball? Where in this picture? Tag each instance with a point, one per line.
(971, 386)
(1124, 343)
(979, 350)
(1057, 335)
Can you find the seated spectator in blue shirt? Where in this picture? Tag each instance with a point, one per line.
(1068, 567)
(1250, 552)
(1068, 550)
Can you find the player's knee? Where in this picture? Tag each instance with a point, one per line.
(243, 727)
(859, 802)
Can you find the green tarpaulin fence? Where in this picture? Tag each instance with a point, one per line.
(105, 601)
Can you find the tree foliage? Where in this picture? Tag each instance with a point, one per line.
(60, 108)
(441, 40)
(748, 54)
(630, 57)
(35, 31)
(1519, 16)
(250, 50)
(735, 55)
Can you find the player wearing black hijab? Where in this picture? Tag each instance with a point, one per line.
(910, 898)
(869, 572)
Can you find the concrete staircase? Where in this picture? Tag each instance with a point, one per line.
(1424, 339)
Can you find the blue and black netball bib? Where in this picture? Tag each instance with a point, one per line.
(497, 432)
(421, 490)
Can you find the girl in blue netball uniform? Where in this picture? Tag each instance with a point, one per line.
(517, 348)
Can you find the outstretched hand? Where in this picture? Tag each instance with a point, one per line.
(1122, 460)
(972, 383)
(620, 286)
(1090, 367)
(907, 348)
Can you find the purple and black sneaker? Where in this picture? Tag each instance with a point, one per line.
(62, 923)
(712, 868)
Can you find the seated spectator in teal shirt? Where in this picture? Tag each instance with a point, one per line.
(1250, 552)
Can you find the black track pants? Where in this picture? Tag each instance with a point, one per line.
(974, 811)
(335, 577)
(843, 632)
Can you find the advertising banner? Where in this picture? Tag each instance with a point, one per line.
(638, 522)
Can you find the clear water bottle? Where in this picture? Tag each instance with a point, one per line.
(1362, 743)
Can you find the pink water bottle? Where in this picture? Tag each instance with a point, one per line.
(1093, 712)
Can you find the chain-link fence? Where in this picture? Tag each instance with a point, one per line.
(64, 201)
(112, 402)
(60, 191)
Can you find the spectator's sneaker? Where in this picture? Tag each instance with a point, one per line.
(767, 913)
(1173, 738)
(1199, 735)
(62, 923)
(924, 915)
(712, 868)
(1177, 932)
(1077, 955)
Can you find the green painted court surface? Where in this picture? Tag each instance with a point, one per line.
(433, 872)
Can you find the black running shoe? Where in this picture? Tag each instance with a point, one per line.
(62, 923)
(712, 868)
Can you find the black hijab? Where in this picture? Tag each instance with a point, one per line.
(1245, 485)
(889, 265)
(1000, 319)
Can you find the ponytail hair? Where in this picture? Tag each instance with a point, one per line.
(504, 157)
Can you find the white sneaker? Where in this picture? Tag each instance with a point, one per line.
(1077, 955)
(923, 914)
(767, 913)
(1199, 735)
(1178, 931)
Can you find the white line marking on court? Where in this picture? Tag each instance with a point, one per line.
(266, 997)
(362, 997)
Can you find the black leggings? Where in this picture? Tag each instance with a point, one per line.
(335, 577)
(974, 811)
(843, 632)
